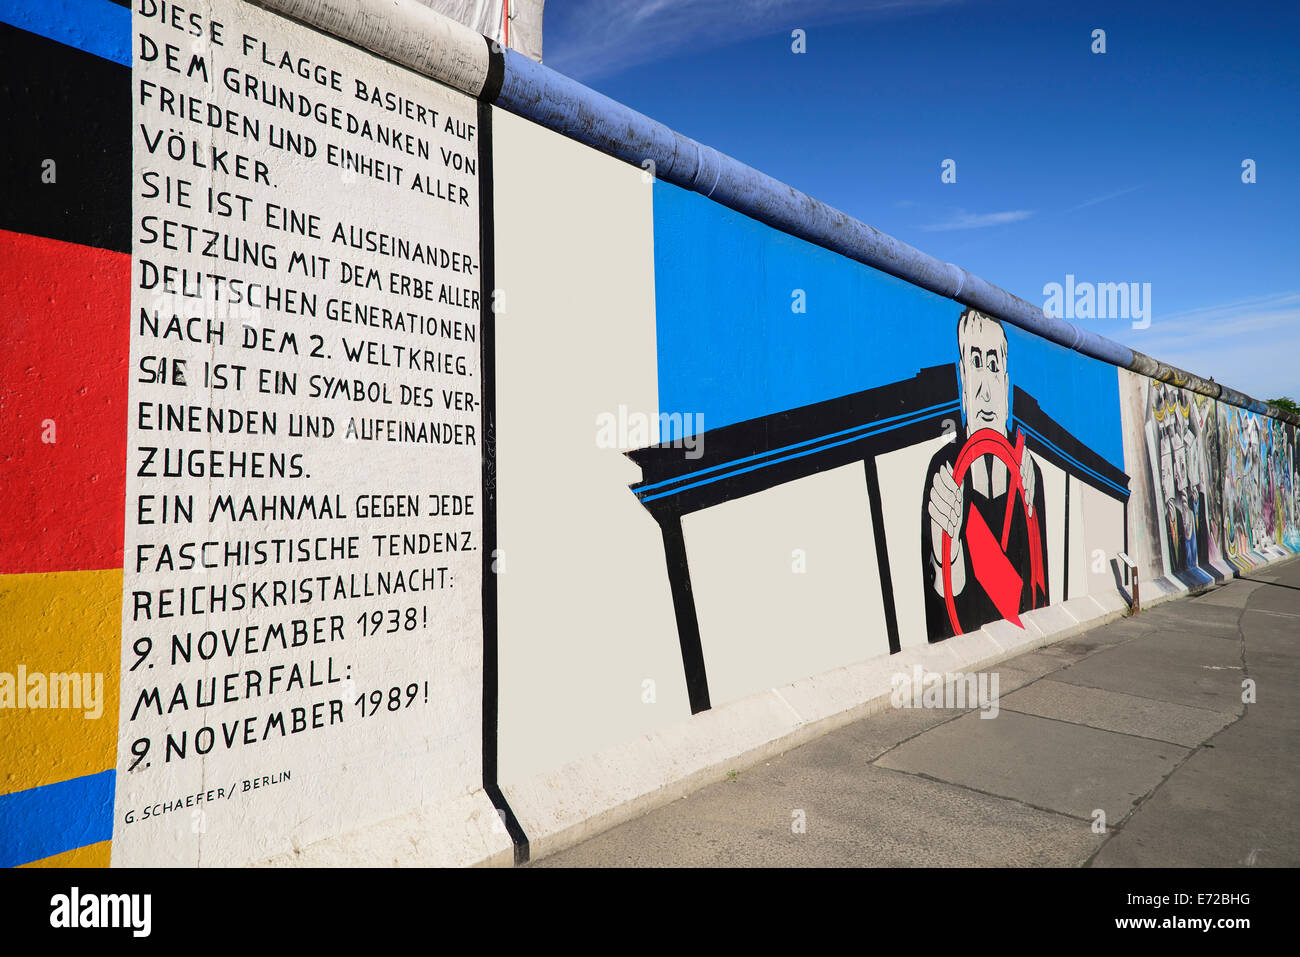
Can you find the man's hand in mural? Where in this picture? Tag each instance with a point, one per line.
(946, 505)
(1028, 481)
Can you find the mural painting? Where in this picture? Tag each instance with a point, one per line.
(1285, 485)
(984, 528)
(989, 473)
(1248, 526)
(1180, 438)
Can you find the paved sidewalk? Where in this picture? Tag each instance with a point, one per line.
(1142, 719)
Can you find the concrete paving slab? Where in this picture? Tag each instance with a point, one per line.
(1288, 622)
(1230, 805)
(1089, 643)
(1011, 679)
(1275, 597)
(1117, 632)
(1044, 763)
(1277, 708)
(1233, 594)
(863, 741)
(1273, 664)
(1191, 670)
(1115, 711)
(1214, 621)
(1036, 663)
(864, 816)
(1069, 651)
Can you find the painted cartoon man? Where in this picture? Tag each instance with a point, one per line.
(1293, 465)
(1173, 515)
(1196, 532)
(998, 554)
(1188, 506)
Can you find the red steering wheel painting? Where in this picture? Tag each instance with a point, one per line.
(992, 569)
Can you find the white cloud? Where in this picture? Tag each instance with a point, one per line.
(590, 38)
(1250, 345)
(1104, 198)
(964, 220)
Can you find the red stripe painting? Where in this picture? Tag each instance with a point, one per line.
(64, 325)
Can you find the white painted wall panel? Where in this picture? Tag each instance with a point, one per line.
(902, 485)
(764, 622)
(586, 616)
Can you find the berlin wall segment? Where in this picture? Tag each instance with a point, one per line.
(297, 432)
(263, 495)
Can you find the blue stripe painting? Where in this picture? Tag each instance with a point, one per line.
(54, 818)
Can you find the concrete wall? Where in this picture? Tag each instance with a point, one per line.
(243, 441)
(395, 479)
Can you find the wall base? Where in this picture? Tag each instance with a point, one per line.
(465, 832)
(573, 803)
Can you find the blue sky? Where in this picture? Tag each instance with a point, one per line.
(1115, 167)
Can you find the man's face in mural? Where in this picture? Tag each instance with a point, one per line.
(985, 386)
(1193, 462)
(1167, 471)
(1180, 464)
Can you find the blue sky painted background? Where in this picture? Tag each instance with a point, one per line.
(730, 348)
(1119, 167)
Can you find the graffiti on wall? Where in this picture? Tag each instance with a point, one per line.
(1288, 486)
(984, 523)
(1259, 487)
(990, 474)
(1221, 490)
(1180, 454)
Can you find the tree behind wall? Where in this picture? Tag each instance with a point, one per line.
(1286, 403)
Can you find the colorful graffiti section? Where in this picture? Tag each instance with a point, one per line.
(1260, 477)
(1220, 483)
